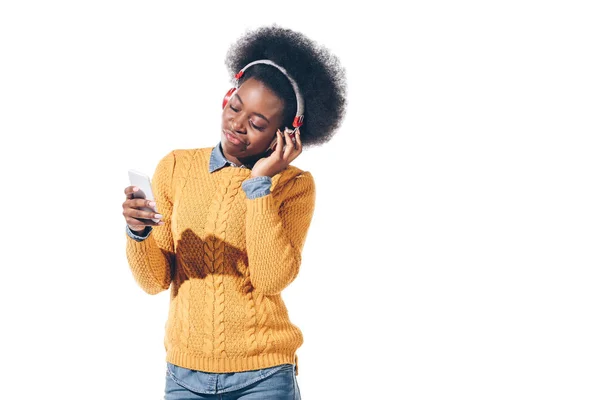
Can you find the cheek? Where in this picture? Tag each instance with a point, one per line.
(224, 114)
(260, 140)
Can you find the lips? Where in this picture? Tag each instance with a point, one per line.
(232, 137)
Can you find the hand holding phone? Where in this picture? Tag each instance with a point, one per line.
(271, 164)
(137, 212)
(273, 144)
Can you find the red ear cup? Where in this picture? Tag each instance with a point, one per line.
(298, 121)
(228, 96)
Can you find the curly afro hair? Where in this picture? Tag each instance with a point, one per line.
(318, 73)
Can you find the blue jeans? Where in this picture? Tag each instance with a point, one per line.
(278, 385)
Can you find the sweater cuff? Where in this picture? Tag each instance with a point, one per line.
(138, 237)
(262, 205)
(258, 186)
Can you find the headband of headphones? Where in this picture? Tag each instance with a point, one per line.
(299, 118)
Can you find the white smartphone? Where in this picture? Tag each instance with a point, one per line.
(142, 181)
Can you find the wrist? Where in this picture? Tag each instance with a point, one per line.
(137, 231)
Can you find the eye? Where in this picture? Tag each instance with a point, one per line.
(259, 128)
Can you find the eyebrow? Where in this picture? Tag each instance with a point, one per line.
(259, 114)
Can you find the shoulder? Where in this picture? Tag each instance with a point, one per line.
(181, 159)
(292, 180)
(292, 171)
(188, 155)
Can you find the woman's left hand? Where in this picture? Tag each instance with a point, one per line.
(280, 158)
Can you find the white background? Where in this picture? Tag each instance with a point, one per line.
(454, 247)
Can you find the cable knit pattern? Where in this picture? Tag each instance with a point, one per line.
(226, 258)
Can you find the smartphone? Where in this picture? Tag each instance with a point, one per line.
(142, 181)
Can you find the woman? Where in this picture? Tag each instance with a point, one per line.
(233, 222)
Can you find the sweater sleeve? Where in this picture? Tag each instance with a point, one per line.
(152, 260)
(275, 235)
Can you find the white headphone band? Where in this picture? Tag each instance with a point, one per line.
(299, 99)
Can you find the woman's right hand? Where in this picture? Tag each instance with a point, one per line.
(137, 218)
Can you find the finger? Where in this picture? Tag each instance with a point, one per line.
(279, 148)
(273, 144)
(142, 214)
(298, 143)
(130, 190)
(139, 203)
(144, 222)
(293, 134)
(145, 214)
(289, 144)
(298, 140)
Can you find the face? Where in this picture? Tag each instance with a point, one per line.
(252, 115)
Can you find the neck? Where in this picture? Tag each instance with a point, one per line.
(246, 161)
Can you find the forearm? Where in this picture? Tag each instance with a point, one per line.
(276, 229)
(272, 259)
(150, 265)
(151, 253)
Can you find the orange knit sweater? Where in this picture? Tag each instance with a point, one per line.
(226, 259)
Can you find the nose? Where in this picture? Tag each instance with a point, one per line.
(236, 126)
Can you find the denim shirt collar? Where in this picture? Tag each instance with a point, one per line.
(218, 160)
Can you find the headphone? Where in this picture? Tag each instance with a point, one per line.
(299, 118)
